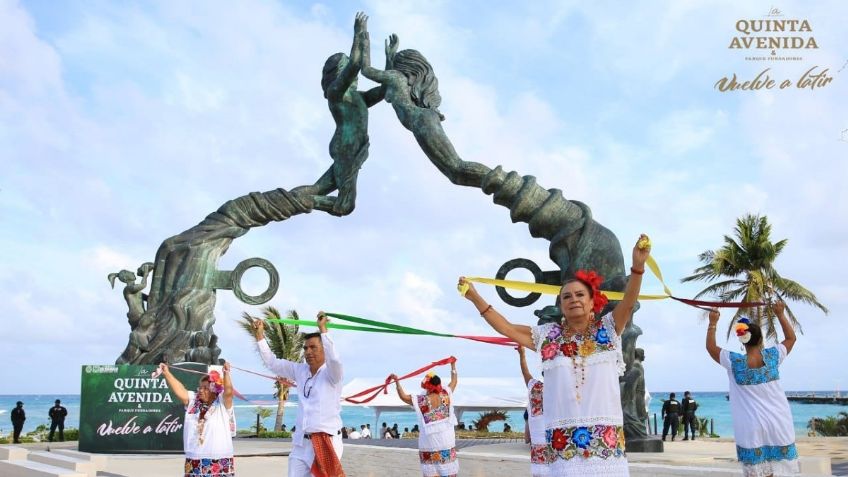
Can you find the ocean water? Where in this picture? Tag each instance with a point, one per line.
(711, 404)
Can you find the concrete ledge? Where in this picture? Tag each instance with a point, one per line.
(647, 470)
(815, 465)
(100, 461)
(27, 468)
(66, 462)
(13, 453)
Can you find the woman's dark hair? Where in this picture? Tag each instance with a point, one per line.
(423, 84)
(435, 380)
(332, 69)
(575, 279)
(756, 335)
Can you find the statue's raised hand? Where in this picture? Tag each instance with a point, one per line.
(392, 43)
(360, 24)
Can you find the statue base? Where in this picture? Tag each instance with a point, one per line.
(645, 444)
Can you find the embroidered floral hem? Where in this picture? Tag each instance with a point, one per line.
(440, 463)
(438, 457)
(600, 440)
(210, 467)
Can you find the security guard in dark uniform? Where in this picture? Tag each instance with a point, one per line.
(690, 422)
(670, 416)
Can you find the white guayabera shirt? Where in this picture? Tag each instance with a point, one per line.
(319, 394)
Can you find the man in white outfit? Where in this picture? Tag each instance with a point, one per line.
(319, 388)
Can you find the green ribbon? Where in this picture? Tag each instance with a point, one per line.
(372, 326)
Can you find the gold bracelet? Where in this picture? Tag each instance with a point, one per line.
(711, 327)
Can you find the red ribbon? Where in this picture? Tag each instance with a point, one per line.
(498, 340)
(375, 391)
(707, 305)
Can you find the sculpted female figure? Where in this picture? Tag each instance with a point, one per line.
(412, 88)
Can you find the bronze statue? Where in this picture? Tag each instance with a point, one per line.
(413, 91)
(349, 146)
(133, 292)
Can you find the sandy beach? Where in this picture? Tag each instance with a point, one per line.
(715, 457)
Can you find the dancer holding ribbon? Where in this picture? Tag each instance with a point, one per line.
(209, 424)
(540, 451)
(436, 418)
(317, 442)
(762, 419)
(582, 360)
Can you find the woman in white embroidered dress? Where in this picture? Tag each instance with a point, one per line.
(582, 360)
(209, 424)
(540, 455)
(762, 419)
(436, 418)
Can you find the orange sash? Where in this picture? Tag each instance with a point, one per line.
(326, 463)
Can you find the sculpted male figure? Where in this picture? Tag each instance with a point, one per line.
(349, 146)
(317, 440)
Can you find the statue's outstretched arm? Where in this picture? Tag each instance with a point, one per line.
(351, 70)
(369, 72)
(375, 95)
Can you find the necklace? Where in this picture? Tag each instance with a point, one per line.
(584, 341)
(202, 410)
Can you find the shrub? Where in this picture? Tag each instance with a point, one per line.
(830, 426)
(275, 435)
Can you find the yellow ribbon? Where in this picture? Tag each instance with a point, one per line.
(545, 289)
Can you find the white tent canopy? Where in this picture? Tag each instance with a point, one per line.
(472, 395)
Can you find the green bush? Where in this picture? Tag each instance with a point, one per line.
(275, 435)
(830, 426)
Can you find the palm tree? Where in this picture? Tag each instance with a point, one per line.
(745, 263)
(285, 342)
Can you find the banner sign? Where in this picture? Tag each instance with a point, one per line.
(125, 411)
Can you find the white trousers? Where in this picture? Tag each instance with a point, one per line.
(302, 456)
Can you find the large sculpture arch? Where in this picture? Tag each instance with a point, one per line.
(175, 322)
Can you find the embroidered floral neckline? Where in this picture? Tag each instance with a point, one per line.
(562, 341)
(202, 410)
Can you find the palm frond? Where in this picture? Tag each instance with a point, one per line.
(745, 262)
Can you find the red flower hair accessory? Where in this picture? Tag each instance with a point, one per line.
(428, 386)
(216, 382)
(593, 281)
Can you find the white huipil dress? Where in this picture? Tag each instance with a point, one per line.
(762, 419)
(540, 455)
(436, 439)
(585, 435)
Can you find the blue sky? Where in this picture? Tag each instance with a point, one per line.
(127, 123)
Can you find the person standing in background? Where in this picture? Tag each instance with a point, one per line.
(57, 415)
(18, 418)
(690, 422)
(671, 416)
